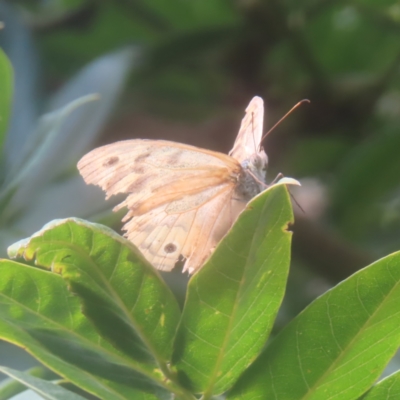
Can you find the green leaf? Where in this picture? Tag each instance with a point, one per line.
(38, 313)
(44, 388)
(338, 346)
(23, 183)
(6, 93)
(121, 292)
(233, 300)
(82, 128)
(387, 389)
(17, 42)
(47, 133)
(10, 387)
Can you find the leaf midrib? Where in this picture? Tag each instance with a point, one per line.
(124, 361)
(214, 377)
(80, 251)
(112, 293)
(65, 329)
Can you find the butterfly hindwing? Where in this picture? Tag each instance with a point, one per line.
(163, 236)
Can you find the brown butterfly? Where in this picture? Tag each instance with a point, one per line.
(181, 199)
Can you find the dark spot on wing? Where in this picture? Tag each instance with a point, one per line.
(173, 159)
(138, 184)
(142, 157)
(170, 248)
(137, 169)
(111, 161)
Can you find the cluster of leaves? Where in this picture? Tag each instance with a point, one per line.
(86, 303)
(83, 301)
(41, 139)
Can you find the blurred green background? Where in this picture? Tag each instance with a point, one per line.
(185, 70)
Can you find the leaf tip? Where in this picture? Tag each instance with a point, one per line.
(288, 181)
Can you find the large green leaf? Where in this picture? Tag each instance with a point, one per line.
(38, 313)
(17, 42)
(81, 129)
(121, 292)
(11, 387)
(338, 346)
(45, 389)
(23, 182)
(232, 302)
(387, 389)
(6, 85)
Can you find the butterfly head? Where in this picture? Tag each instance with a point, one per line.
(258, 164)
(253, 180)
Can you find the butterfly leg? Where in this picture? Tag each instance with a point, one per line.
(279, 176)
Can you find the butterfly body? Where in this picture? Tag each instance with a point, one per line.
(253, 177)
(181, 199)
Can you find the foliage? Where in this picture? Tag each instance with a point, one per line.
(200, 60)
(6, 76)
(88, 305)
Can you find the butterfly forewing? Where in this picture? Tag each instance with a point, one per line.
(251, 130)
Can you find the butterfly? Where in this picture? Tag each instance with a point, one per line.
(181, 199)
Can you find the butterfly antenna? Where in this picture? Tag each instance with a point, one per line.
(292, 109)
